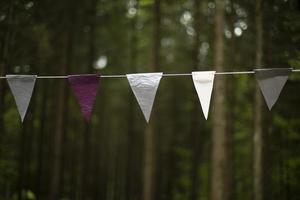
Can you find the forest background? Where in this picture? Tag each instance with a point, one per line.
(243, 151)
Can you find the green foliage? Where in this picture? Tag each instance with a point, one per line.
(105, 158)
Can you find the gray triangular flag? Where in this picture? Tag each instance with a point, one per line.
(144, 87)
(203, 82)
(271, 82)
(21, 87)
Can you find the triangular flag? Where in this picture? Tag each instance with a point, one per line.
(85, 88)
(203, 82)
(144, 87)
(21, 87)
(271, 82)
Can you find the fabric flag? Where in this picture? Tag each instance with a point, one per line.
(21, 87)
(144, 87)
(203, 82)
(85, 88)
(271, 82)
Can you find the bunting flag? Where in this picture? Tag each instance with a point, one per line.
(144, 87)
(203, 82)
(85, 88)
(21, 87)
(271, 82)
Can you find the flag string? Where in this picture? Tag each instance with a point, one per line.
(165, 75)
(144, 87)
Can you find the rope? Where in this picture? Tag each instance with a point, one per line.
(165, 75)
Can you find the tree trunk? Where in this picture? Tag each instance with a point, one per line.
(131, 144)
(64, 139)
(60, 127)
(6, 41)
(87, 176)
(195, 135)
(22, 159)
(149, 144)
(258, 135)
(41, 143)
(219, 178)
(231, 88)
(149, 168)
(25, 152)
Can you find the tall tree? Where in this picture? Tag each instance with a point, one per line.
(195, 135)
(7, 33)
(258, 132)
(58, 135)
(64, 57)
(131, 137)
(41, 143)
(231, 87)
(149, 141)
(219, 178)
(87, 186)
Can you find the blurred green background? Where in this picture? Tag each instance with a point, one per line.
(243, 151)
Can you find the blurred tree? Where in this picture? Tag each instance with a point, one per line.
(108, 159)
(149, 192)
(63, 56)
(219, 177)
(196, 131)
(258, 129)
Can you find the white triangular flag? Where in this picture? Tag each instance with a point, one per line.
(21, 87)
(144, 87)
(203, 82)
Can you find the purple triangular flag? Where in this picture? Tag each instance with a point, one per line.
(85, 88)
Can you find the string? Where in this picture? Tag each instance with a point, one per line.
(165, 75)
